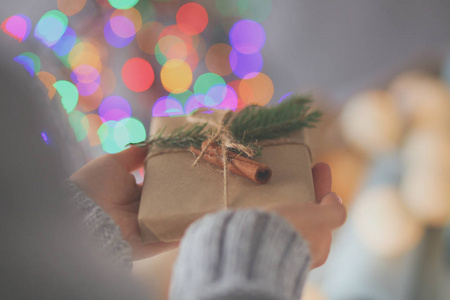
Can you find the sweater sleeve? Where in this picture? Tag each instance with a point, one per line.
(100, 226)
(241, 255)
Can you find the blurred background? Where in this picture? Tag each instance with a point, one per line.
(379, 70)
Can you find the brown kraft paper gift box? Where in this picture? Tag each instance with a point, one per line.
(175, 193)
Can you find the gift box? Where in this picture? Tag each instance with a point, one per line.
(176, 193)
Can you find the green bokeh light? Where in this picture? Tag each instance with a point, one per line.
(228, 8)
(160, 57)
(206, 81)
(123, 4)
(183, 97)
(115, 136)
(79, 123)
(257, 10)
(69, 94)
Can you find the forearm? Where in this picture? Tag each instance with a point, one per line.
(241, 255)
(101, 227)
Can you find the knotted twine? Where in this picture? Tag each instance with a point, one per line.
(224, 136)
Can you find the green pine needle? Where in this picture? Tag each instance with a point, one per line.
(251, 125)
(262, 123)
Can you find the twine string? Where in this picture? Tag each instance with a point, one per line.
(223, 135)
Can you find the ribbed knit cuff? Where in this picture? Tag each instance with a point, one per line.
(102, 228)
(245, 254)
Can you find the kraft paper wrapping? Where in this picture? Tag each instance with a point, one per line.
(175, 193)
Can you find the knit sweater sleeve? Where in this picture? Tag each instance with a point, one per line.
(241, 255)
(105, 233)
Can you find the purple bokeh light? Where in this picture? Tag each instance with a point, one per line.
(247, 36)
(114, 108)
(166, 107)
(246, 65)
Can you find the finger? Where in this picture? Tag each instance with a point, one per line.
(322, 180)
(131, 158)
(334, 213)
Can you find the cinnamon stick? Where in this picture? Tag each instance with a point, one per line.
(237, 164)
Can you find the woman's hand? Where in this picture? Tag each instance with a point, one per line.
(108, 181)
(316, 221)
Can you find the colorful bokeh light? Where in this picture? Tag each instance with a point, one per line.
(247, 36)
(257, 90)
(114, 108)
(119, 31)
(123, 4)
(48, 80)
(246, 65)
(30, 61)
(66, 43)
(51, 27)
(192, 18)
(99, 115)
(137, 74)
(69, 94)
(70, 7)
(116, 135)
(218, 59)
(176, 76)
(17, 26)
(206, 81)
(167, 107)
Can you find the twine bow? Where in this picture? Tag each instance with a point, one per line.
(223, 135)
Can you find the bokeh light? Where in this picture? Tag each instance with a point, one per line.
(85, 53)
(206, 81)
(90, 94)
(79, 124)
(30, 61)
(93, 122)
(91, 102)
(17, 26)
(66, 43)
(247, 36)
(137, 74)
(257, 90)
(217, 59)
(176, 76)
(192, 18)
(114, 108)
(70, 7)
(69, 94)
(246, 65)
(148, 36)
(48, 80)
(123, 4)
(116, 135)
(229, 8)
(119, 31)
(131, 14)
(166, 107)
(170, 47)
(285, 96)
(257, 10)
(51, 27)
(175, 31)
(86, 78)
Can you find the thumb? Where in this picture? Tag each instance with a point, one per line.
(335, 213)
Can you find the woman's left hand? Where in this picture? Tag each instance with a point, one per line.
(108, 181)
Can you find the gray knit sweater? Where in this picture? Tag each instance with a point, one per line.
(239, 255)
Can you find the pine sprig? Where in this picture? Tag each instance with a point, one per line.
(251, 125)
(256, 123)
